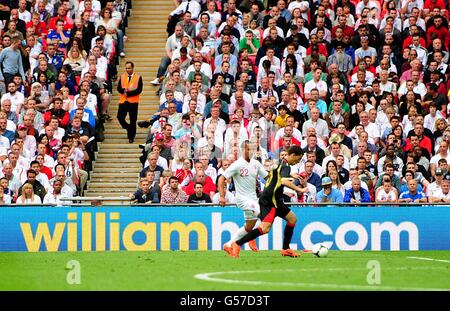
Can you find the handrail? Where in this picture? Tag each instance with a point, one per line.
(100, 200)
(121, 198)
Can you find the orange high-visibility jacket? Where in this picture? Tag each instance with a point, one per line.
(130, 86)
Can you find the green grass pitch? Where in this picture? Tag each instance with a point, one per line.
(214, 270)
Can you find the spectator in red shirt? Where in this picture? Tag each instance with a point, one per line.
(184, 174)
(321, 48)
(40, 28)
(62, 14)
(208, 185)
(424, 141)
(44, 169)
(59, 112)
(437, 30)
(408, 40)
(431, 4)
(342, 22)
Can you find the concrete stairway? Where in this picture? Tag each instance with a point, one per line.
(117, 166)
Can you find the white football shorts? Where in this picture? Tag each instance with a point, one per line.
(250, 208)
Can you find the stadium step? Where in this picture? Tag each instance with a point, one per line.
(116, 169)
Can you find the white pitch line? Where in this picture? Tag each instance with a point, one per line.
(429, 259)
(212, 277)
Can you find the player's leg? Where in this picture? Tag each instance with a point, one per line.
(248, 228)
(256, 210)
(242, 231)
(291, 220)
(267, 215)
(251, 212)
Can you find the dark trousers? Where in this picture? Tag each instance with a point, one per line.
(132, 110)
(8, 78)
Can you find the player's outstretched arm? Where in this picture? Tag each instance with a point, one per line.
(289, 182)
(221, 183)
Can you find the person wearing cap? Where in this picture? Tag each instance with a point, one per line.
(163, 151)
(328, 194)
(436, 185)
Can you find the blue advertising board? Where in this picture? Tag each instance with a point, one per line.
(142, 228)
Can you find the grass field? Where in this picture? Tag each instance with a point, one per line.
(213, 270)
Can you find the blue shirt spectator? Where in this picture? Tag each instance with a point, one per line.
(412, 195)
(329, 194)
(356, 194)
(315, 180)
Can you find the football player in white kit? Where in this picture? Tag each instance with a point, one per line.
(244, 172)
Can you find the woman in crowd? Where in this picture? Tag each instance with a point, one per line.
(28, 196)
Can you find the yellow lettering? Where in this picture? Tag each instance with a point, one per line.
(51, 243)
(100, 232)
(72, 234)
(114, 232)
(149, 230)
(184, 232)
(86, 232)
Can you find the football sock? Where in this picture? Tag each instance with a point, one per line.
(258, 222)
(288, 231)
(241, 233)
(238, 235)
(249, 236)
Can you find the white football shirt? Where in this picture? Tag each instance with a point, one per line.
(244, 175)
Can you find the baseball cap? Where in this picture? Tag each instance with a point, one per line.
(21, 127)
(303, 175)
(159, 136)
(439, 171)
(326, 181)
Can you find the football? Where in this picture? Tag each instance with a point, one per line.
(320, 250)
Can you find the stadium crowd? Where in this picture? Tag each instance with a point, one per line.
(361, 86)
(58, 60)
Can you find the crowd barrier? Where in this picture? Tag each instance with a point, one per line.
(184, 227)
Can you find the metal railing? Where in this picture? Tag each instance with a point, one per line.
(98, 201)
